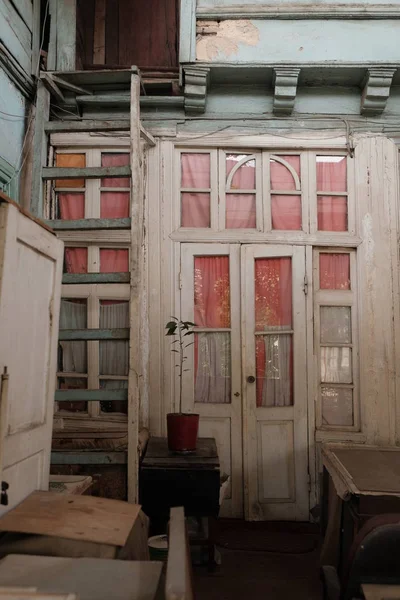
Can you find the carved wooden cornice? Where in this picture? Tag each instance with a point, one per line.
(286, 79)
(376, 90)
(195, 90)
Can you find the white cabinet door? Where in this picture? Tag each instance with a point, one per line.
(274, 383)
(210, 297)
(31, 261)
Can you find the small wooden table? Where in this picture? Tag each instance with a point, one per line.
(192, 480)
(359, 483)
(88, 578)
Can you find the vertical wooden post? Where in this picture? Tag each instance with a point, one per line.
(66, 35)
(36, 38)
(52, 51)
(136, 244)
(39, 149)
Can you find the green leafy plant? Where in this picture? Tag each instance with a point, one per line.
(181, 329)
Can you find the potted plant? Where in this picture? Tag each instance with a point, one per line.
(182, 428)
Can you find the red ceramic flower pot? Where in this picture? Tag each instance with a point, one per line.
(182, 429)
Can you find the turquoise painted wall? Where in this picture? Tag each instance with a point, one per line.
(12, 121)
(301, 41)
(225, 4)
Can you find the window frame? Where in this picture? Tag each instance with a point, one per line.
(93, 293)
(338, 298)
(92, 189)
(308, 234)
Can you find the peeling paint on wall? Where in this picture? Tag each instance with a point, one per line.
(222, 38)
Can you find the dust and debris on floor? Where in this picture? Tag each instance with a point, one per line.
(277, 561)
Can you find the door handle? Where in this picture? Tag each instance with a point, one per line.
(251, 379)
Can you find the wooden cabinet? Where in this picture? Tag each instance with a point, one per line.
(31, 259)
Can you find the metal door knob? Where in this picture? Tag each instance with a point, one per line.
(251, 379)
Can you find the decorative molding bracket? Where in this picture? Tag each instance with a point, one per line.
(376, 91)
(285, 81)
(196, 84)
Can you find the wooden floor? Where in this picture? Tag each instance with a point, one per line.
(277, 561)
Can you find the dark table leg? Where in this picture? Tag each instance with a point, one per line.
(211, 541)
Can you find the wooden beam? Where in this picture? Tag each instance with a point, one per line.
(99, 42)
(60, 126)
(90, 395)
(69, 86)
(36, 35)
(85, 173)
(147, 136)
(52, 87)
(52, 50)
(39, 149)
(94, 334)
(60, 224)
(88, 457)
(79, 278)
(121, 98)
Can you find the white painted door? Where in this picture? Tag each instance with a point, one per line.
(31, 261)
(274, 383)
(246, 373)
(210, 297)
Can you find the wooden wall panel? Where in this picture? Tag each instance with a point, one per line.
(84, 33)
(137, 32)
(148, 33)
(112, 32)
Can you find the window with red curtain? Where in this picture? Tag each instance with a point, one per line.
(115, 191)
(285, 181)
(240, 200)
(332, 193)
(71, 204)
(212, 312)
(273, 317)
(195, 190)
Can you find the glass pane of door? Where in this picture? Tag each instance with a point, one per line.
(273, 331)
(212, 344)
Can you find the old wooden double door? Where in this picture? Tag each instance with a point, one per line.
(246, 370)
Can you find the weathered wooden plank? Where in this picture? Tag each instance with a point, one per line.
(90, 457)
(86, 125)
(85, 30)
(94, 334)
(99, 43)
(85, 173)
(121, 98)
(136, 291)
(52, 87)
(112, 32)
(154, 101)
(68, 86)
(147, 136)
(36, 35)
(187, 40)
(66, 35)
(15, 35)
(39, 149)
(91, 395)
(52, 51)
(25, 10)
(61, 224)
(77, 278)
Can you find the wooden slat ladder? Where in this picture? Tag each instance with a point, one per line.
(54, 86)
